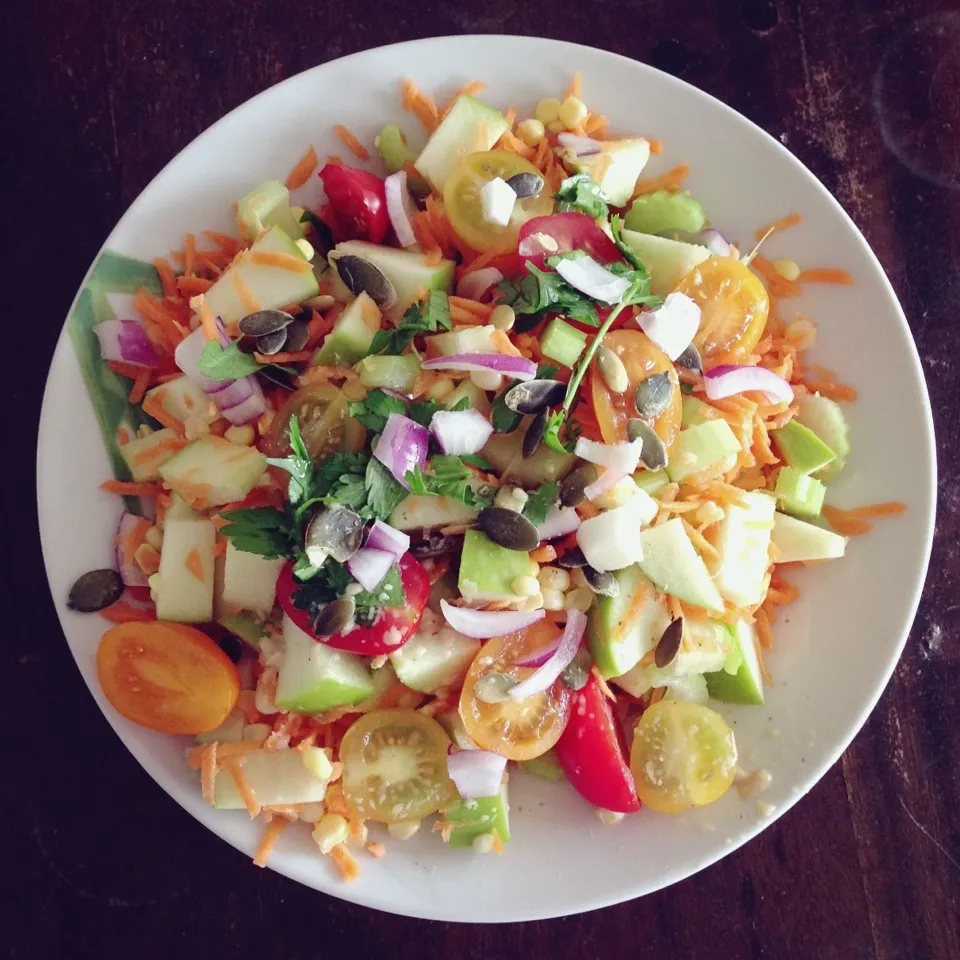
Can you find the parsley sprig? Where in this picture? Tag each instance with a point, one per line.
(426, 316)
(580, 193)
(226, 363)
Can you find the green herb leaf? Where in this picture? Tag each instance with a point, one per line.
(383, 493)
(504, 419)
(551, 436)
(333, 579)
(449, 477)
(541, 292)
(582, 194)
(547, 371)
(616, 228)
(262, 530)
(376, 406)
(475, 460)
(298, 465)
(425, 316)
(230, 363)
(539, 503)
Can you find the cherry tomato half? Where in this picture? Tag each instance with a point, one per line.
(325, 425)
(569, 231)
(359, 202)
(167, 677)
(393, 625)
(516, 729)
(593, 753)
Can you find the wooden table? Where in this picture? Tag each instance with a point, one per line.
(96, 860)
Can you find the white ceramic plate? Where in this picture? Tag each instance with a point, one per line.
(835, 649)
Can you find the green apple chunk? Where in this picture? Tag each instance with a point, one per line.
(487, 570)
(212, 471)
(276, 778)
(745, 685)
(185, 590)
(671, 561)
(473, 818)
(436, 656)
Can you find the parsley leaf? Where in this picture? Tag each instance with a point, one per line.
(226, 363)
(331, 581)
(539, 503)
(582, 194)
(425, 316)
(262, 530)
(547, 371)
(504, 419)
(616, 228)
(376, 406)
(298, 465)
(383, 493)
(475, 460)
(541, 292)
(449, 477)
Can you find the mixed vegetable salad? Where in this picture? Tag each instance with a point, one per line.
(501, 459)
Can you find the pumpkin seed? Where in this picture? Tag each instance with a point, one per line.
(436, 545)
(534, 435)
(669, 645)
(361, 276)
(334, 532)
(95, 590)
(277, 376)
(264, 322)
(572, 559)
(335, 616)
(509, 529)
(534, 396)
(297, 335)
(577, 672)
(653, 395)
(574, 484)
(601, 581)
(612, 370)
(525, 185)
(494, 687)
(653, 453)
(690, 359)
(271, 343)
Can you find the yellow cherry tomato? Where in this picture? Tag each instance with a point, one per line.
(322, 412)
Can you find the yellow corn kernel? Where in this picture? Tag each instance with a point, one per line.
(579, 599)
(503, 317)
(608, 817)
(330, 831)
(318, 763)
(573, 111)
(548, 110)
(484, 843)
(554, 578)
(440, 390)
(154, 537)
(556, 126)
(313, 812)
(788, 269)
(243, 436)
(486, 379)
(525, 586)
(552, 599)
(531, 132)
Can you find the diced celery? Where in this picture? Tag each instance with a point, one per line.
(562, 343)
(473, 818)
(651, 481)
(799, 494)
(701, 447)
(802, 448)
(269, 206)
(396, 153)
(394, 373)
(692, 411)
(665, 212)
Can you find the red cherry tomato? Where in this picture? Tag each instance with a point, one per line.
(570, 231)
(359, 202)
(593, 753)
(393, 626)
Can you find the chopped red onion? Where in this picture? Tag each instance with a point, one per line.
(594, 280)
(715, 242)
(476, 283)
(673, 325)
(126, 340)
(615, 456)
(232, 393)
(581, 146)
(539, 657)
(129, 571)
(400, 208)
(369, 566)
(384, 537)
(402, 446)
(484, 624)
(725, 381)
(517, 367)
(559, 522)
(547, 675)
(249, 410)
(476, 773)
(460, 431)
(604, 483)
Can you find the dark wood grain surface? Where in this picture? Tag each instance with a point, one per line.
(96, 861)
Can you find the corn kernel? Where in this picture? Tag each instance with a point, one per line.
(321, 302)
(440, 390)
(556, 126)
(555, 578)
(533, 603)
(572, 112)
(318, 763)
(313, 812)
(787, 269)
(503, 317)
(403, 829)
(552, 599)
(525, 586)
(548, 110)
(305, 248)
(256, 732)
(486, 379)
(531, 132)
(483, 843)
(608, 817)
(154, 537)
(330, 832)
(579, 599)
(243, 436)
(511, 498)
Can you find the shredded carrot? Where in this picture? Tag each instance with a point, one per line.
(482, 310)
(194, 564)
(503, 344)
(300, 174)
(511, 117)
(777, 285)
(433, 256)
(596, 126)
(156, 311)
(468, 90)
(498, 847)
(353, 144)
(335, 159)
(672, 181)
(192, 286)
(854, 523)
(152, 407)
(233, 766)
(125, 488)
(123, 612)
(208, 321)
(656, 146)
(420, 104)
(140, 385)
(167, 279)
(133, 540)
(208, 772)
(784, 223)
(825, 275)
(270, 837)
(376, 849)
(764, 634)
(833, 391)
(189, 255)
(220, 548)
(349, 870)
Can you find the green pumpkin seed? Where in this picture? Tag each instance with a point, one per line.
(525, 185)
(95, 590)
(271, 343)
(575, 483)
(612, 370)
(436, 545)
(572, 559)
(690, 359)
(334, 532)
(297, 336)
(601, 581)
(653, 453)
(653, 395)
(264, 322)
(577, 672)
(509, 529)
(361, 276)
(534, 435)
(669, 645)
(494, 687)
(335, 617)
(534, 396)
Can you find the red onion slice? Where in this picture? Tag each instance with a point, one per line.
(581, 146)
(370, 566)
(725, 381)
(460, 431)
(715, 242)
(402, 446)
(232, 393)
(517, 367)
(560, 521)
(476, 773)
(129, 571)
(475, 284)
(540, 657)
(251, 409)
(384, 537)
(594, 280)
(484, 624)
(400, 208)
(547, 675)
(673, 325)
(127, 341)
